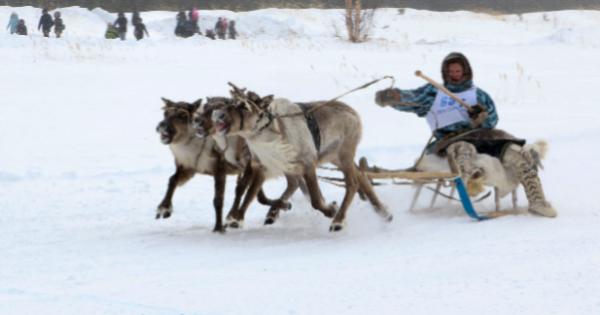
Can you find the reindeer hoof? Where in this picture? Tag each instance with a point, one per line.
(332, 210)
(336, 227)
(163, 212)
(220, 229)
(269, 221)
(234, 224)
(288, 206)
(272, 216)
(385, 214)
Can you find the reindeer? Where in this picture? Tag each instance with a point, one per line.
(236, 152)
(277, 133)
(194, 155)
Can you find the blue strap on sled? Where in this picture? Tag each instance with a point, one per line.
(466, 201)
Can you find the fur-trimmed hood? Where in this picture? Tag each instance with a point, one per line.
(456, 57)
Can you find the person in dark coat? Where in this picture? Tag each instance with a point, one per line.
(45, 23)
(21, 28)
(135, 18)
(180, 26)
(211, 34)
(140, 29)
(121, 25)
(59, 25)
(232, 31)
(221, 27)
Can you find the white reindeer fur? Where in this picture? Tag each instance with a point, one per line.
(282, 149)
(195, 154)
(494, 173)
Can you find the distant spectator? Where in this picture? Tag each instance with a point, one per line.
(45, 23)
(185, 27)
(135, 18)
(21, 28)
(221, 27)
(232, 31)
(111, 31)
(181, 18)
(139, 30)
(210, 34)
(121, 25)
(13, 21)
(218, 25)
(194, 15)
(180, 26)
(59, 25)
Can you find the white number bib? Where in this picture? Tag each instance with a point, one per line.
(446, 111)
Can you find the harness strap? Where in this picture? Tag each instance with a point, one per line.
(312, 124)
(240, 112)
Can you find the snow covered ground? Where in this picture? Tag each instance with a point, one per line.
(82, 170)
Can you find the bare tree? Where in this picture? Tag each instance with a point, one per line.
(358, 21)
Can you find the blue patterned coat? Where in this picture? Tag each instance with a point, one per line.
(420, 101)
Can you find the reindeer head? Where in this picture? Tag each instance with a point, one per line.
(202, 121)
(177, 122)
(248, 114)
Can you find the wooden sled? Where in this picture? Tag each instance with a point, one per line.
(424, 179)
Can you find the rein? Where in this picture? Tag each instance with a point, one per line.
(364, 86)
(272, 117)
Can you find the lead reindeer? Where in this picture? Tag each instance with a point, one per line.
(235, 151)
(292, 139)
(192, 155)
(195, 155)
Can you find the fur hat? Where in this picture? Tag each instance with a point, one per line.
(456, 57)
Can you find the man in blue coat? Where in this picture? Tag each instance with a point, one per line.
(469, 131)
(444, 115)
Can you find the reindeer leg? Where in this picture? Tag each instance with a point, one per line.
(236, 219)
(277, 203)
(242, 184)
(181, 175)
(351, 180)
(316, 198)
(365, 186)
(243, 181)
(220, 179)
(292, 186)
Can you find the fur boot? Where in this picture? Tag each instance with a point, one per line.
(524, 166)
(464, 155)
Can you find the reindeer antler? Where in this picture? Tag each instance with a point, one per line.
(240, 94)
(236, 92)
